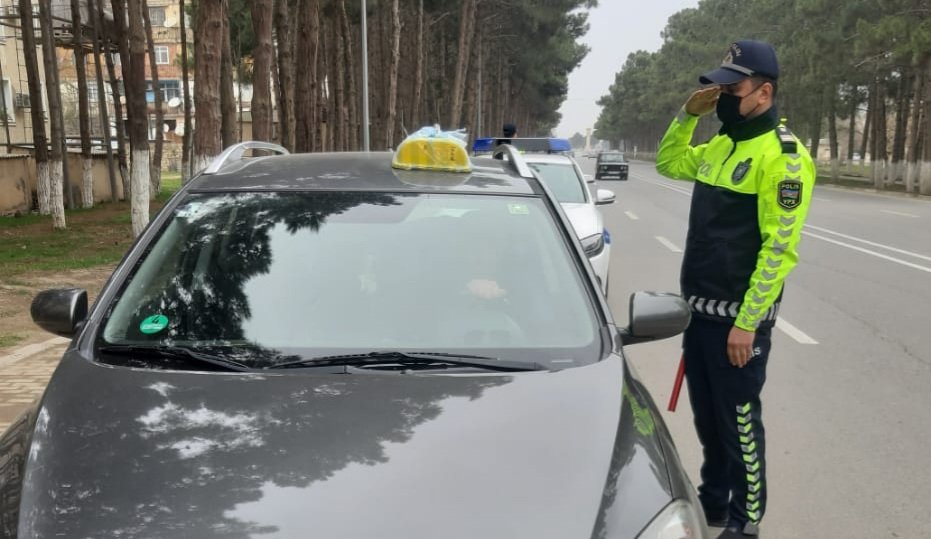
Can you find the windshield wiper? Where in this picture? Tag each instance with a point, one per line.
(176, 352)
(414, 359)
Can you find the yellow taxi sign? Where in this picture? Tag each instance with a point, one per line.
(432, 149)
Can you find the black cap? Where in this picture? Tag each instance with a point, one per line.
(509, 130)
(745, 58)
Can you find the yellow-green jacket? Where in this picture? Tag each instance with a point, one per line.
(753, 186)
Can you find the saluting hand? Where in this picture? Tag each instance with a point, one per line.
(703, 101)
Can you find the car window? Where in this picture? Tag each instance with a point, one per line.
(611, 158)
(562, 179)
(321, 273)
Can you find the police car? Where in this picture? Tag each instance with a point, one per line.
(549, 159)
(350, 345)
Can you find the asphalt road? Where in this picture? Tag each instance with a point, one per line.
(847, 403)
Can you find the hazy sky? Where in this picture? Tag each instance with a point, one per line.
(618, 27)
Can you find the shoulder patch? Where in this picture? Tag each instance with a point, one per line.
(790, 194)
(786, 139)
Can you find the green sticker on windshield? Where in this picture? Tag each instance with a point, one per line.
(153, 324)
(518, 209)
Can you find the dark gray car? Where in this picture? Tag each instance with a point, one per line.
(323, 346)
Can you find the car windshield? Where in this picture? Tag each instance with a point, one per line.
(562, 179)
(309, 274)
(611, 158)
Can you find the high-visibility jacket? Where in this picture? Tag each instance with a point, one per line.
(753, 187)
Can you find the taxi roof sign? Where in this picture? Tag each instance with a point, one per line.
(542, 145)
(433, 149)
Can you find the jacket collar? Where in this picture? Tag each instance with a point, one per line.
(753, 127)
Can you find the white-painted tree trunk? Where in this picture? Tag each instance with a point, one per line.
(835, 169)
(43, 188)
(200, 162)
(924, 182)
(911, 177)
(57, 194)
(87, 182)
(139, 178)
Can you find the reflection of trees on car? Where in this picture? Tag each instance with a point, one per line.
(223, 246)
(185, 459)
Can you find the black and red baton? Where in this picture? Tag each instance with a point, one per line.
(677, 386)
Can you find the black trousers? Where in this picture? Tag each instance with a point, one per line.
(728, 418)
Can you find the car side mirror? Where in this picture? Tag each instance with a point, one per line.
(589, 178)
(655, 316)
(604, 196)
(60, 310)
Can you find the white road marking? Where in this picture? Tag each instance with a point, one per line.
(870, 243)
(31, 350)
(668, 244)
(821, 199)
(679, 190)
(795, 333)
(900, 213)
(632, 215)
(867, 251)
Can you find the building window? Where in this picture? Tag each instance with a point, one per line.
(161, 56)
(92, 93)
(7, 100)
(170, 89)
(157, 16)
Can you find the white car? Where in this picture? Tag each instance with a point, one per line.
(564, 178)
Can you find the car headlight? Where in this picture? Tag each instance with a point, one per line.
(679, 520)
(603, 168)
(593, 245)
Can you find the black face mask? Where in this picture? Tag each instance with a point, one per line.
(728, 107)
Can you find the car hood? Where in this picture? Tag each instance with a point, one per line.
(118, 452)
(585, 218)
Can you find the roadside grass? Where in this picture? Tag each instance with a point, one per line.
(7, 340)
(93, 237)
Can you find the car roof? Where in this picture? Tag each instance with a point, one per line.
(360, 171)
(547, 158)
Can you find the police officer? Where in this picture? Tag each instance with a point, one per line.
(753, 184)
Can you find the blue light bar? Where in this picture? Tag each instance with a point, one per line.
(484, 144)
(539, 145)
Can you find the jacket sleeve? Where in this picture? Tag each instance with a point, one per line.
(676, 159)
(784, 196)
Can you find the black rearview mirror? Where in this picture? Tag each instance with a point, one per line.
(60, 310)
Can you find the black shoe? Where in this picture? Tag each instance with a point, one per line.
(738, 532)
(716, 519)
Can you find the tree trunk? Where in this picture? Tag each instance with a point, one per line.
(350, 69)
(208, 54)
(851, 141)
(138, 117)
(284, 49)
(914, 135)
(102, 98)
(119, 37)
(186, 171)
(87, 177)
(815, 135)
(395, 62)
(867, 126)
(155, 170)
(39, 139)
(417, 92)
(924, 180)
(340, 120)
(261, 69)
(466, 29)
(57, 186)
(901, 129)
(832, 134)
(227, 97)
(306, 79)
